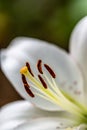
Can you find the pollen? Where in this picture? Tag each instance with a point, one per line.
(39, 66)
(29, 68)
(42, 81)
(50, 70)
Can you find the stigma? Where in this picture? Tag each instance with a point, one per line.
(49, 90)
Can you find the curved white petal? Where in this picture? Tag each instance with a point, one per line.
(46, 124)
(19, 112)
(78, 47)
(27, 49)
(25, 110)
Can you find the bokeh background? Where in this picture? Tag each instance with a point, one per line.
(50, 20)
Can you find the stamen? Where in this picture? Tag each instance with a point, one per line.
(25, 81)
(42, 81)
(26, 86)
(39, 66)
(50, 71)
(49, 90)
(29, 68)
(29, 91)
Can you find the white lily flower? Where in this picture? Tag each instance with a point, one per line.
(57, 85)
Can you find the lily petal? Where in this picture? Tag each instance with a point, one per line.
(22, 49)
(78, 48)
(17, 113)
(46, 124)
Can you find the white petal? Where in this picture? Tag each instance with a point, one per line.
(46, 124)
(78, 47)
(28, 49)
(25, 110)
(17, 113)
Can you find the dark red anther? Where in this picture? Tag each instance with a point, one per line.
(29, 91)
(39, 66)
(26, 86)
(29, 68)
(42, 81)
(24, 81)
(50, 70)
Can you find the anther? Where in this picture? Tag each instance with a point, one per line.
(25, 81)
(26, 86)
(29, 91)
(29, 68)
(50, 71)
(39, 66)
(42, 81)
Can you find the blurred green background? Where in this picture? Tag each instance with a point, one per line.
(50, 20)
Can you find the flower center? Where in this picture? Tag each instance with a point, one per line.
(50, 90)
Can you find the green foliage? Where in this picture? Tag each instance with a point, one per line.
(50, 20)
